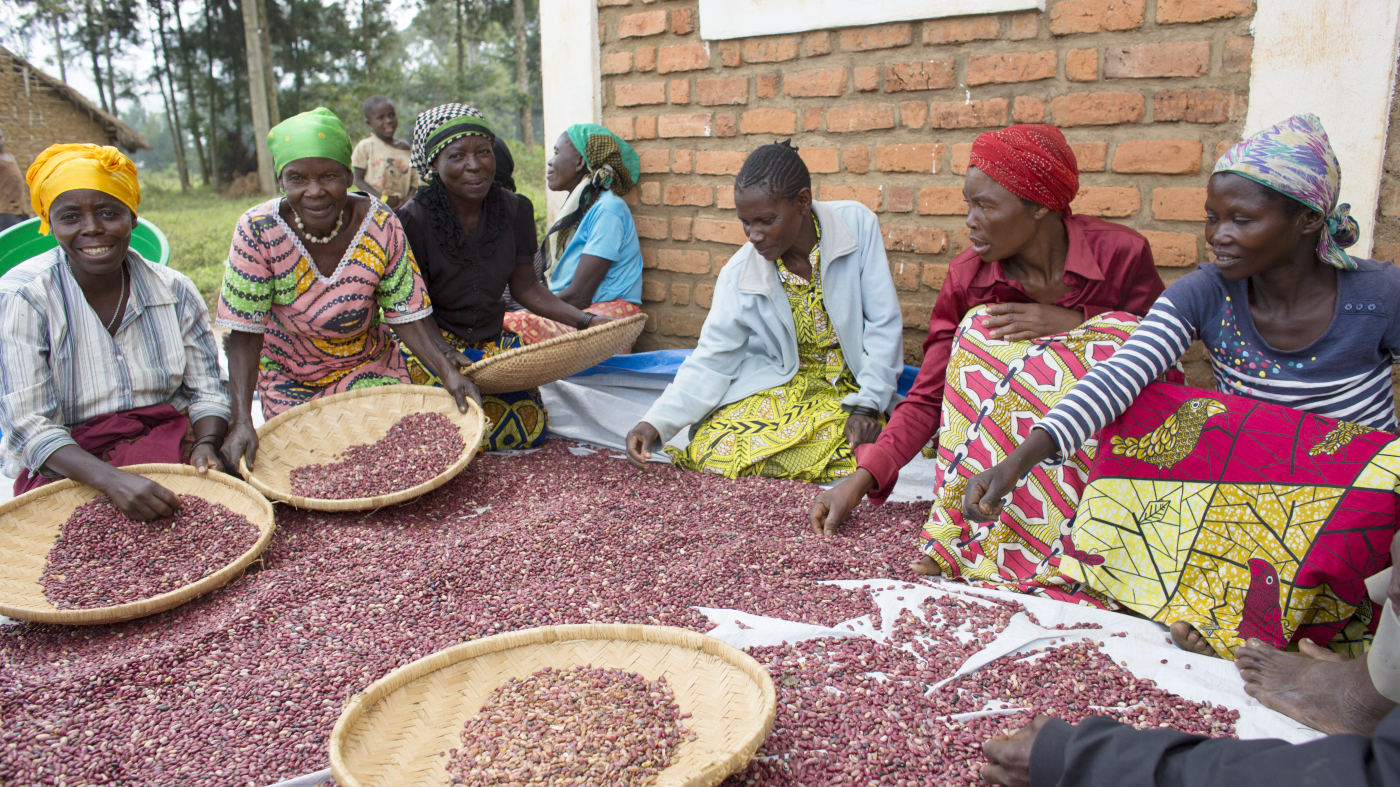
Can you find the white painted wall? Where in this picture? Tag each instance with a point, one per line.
(570, 72)
(721, 19)
(1337, 61)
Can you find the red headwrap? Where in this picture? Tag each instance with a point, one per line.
(1033, 162)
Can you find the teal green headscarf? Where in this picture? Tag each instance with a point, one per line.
(315, 134)
(601, 148)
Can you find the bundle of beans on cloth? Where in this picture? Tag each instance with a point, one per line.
(415, 450)
(571, 728)
(101, 558)
(242, 686)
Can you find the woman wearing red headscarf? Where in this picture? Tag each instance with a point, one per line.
(1033, 270)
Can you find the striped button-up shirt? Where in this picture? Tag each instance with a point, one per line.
(59, 367)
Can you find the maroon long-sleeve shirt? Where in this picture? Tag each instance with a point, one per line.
(1108, 267)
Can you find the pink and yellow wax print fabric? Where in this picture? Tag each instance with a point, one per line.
(321, 335)
(995, 392)
(1242, 518)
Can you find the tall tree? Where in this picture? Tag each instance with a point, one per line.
(167, 92)
(90, 43)
(185, 44)
(522, 77)
(258, 91)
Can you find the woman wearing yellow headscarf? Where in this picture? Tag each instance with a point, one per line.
(106, 359)
(309, 275)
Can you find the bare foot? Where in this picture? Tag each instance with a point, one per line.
(1324, 690)
(925, 566)
(1188, 638)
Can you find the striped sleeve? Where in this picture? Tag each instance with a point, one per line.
(1112, 385)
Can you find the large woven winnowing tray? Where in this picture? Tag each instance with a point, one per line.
(30, 523)
(554, 359)
(395, 733)
(318, 431)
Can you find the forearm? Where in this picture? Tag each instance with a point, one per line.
(538, 299)
(211, 426)
(426, 342)
(243, 349)
(72, 462)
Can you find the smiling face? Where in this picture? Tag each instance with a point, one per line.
(771, 222)
(94, 228)
(1250, 230)
(1000, 224)
(317, 189)
(383, 120)
(566, 168)
(466, 167)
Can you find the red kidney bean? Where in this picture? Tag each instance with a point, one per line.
(245, 683)
(415, 450)
(101, 558)
(577, 726)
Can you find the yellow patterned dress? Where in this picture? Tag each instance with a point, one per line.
(796, 430)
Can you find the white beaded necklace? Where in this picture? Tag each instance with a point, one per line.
(339, 222)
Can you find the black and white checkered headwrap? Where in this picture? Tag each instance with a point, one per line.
(423, 128)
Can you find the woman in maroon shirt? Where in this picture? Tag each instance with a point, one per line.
(1039, 271)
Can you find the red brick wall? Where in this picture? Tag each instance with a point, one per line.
(1149, 94)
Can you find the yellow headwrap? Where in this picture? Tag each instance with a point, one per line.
(63, 168)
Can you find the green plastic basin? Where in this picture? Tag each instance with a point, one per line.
(23, 241)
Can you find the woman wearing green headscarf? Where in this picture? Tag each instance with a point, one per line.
(591, 255)
(308, 276)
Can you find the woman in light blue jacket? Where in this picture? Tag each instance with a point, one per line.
(785, 381)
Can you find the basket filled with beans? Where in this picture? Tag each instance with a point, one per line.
(365, 449)
(69, 556)
(586, 704)
(554, 359)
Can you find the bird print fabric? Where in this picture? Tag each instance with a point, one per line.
(1261, 617)
(1174, 439)
(1252, 531)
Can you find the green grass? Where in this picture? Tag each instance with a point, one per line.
(199, 225)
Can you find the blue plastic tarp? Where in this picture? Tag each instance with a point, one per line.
(667, 362)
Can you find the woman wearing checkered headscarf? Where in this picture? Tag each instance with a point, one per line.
(591, 256)
(474, 240)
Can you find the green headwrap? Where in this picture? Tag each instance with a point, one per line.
(600, 147)
(454, 129)
(315, 134)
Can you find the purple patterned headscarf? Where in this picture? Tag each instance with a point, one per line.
(1295, 158)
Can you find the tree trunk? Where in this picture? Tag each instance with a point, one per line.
(107, 51)
(188, 74)
(270, 79)
(90, 42)
(58, 47)
(211, 88)
(522, 77)
(461, 53)
(257, 92)
(172, 108)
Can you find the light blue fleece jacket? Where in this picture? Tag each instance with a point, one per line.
(749, 341)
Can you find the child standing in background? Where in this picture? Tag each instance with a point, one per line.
(380, 161)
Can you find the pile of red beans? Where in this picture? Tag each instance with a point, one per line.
(415, 450)
(101, 558)
(242, 687)
(574, 727)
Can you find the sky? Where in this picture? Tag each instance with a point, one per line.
(38, 48)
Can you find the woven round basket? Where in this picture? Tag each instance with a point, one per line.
(394, 734)
(554, 359)
(30, 523)
(317, 432)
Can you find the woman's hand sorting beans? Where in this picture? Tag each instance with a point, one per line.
(205, 457)
(1009, 756)
(138, 497)
(833, 505)
(241, 442)
(639, 442)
